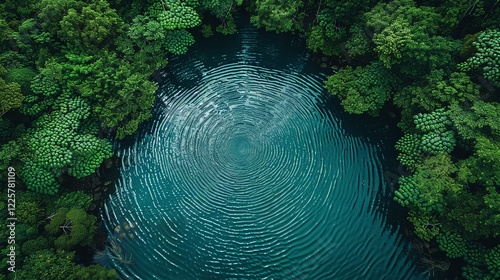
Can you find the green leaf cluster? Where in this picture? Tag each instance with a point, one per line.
(90, 28)
(452, 244)
(483, 167)
(317, 40)
(436, 138)
(493, 261)
(178, 41)
(44, 90)
(10, 96)
(426, 226)
(406, 36)
(173, 15)
(276, 15)
(408, 191)
(437, 90)
(57, 143)
(470, 272)
(362, 89)
(58, 265)
(71, 227)
(475, 254)
(77, 199)
(476, 121)
(410, 150)
(121, 97)
(487, 56)
(227, 27)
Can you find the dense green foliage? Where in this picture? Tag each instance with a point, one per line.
(72, 72)
(363, 89)
(487, 56)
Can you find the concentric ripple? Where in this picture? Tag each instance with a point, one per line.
(246, 173)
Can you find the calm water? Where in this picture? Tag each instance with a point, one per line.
(250, 170)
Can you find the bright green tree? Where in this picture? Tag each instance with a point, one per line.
(58, 143)
(121, 97)
(93, 27)
(363, 89)
(48, 265)
(59, 265)
(173, 15)
(437, 137)
(52, 12)
(44, 91)
(277, 15)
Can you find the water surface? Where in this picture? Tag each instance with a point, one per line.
(250, 170)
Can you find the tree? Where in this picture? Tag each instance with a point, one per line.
(338, 22)
(58, 143)
(52, 13)
(174, 15)
(121, 98)
(77, 199)
(363, 89)
(163, 29)
(483, 167)
(178, 41)
(96, 272)
(44, 91)
(452, 244)
(436, 138)
(34, 245)
(59, 265)
(277, 15)
(407, 37)
(482, 118)
(92, 28)
(410, 149)
(10, 96)
(47, 264)
(8, 152)
(78, 228)
(487, 56)
(223, 10)
(493, 261)
(147, 34)
(391, 41)
(71, 227)
(358, 42)
(327, 43)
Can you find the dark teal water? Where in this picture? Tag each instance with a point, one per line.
(250, 170)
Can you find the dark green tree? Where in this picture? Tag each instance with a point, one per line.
(277, 15)
(78, 228)
(407, 37)
(486, 57)
(10, 96)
